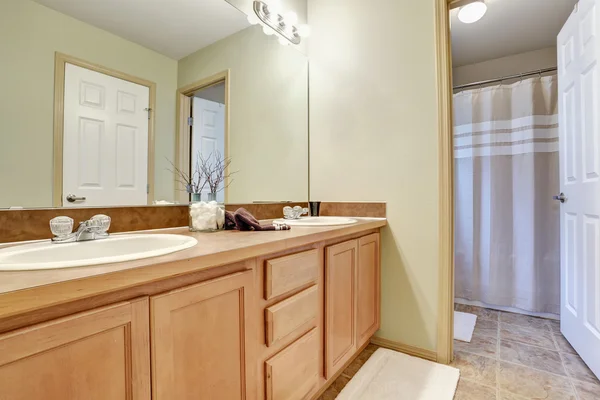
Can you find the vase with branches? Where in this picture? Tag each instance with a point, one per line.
(215, 170)
(210, 173)
(193, 183)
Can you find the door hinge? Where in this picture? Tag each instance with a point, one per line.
(149, 111)
(190, 121)
(148, 188)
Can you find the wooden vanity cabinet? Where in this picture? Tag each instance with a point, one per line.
(279, 326)
(368, 290)
(99, 354)
(202, 340)
(340, 305)
(352, 287)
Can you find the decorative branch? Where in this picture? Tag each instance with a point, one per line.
(192, 184)
(214, 170)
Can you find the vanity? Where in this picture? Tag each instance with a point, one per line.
(241, 315)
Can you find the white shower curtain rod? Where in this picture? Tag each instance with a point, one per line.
(523, 75)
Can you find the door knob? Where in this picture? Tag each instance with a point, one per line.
(561, 197)
(71, 198)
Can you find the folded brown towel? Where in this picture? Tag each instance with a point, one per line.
(229, 221)
(246, 222)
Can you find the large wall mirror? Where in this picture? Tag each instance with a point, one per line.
(123, 102)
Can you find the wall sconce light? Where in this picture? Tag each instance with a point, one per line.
(274, 22)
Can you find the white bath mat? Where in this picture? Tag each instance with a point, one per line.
(389, 375)
(464, 325)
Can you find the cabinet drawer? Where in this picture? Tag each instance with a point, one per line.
(285, 317)
(290, 272)
(293, 374)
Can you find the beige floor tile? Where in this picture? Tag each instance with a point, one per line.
(587, 391)
(524, 320)
(483, 313)
(563, 344)
(577, 369)
(536, 337)
(336, 387)
(510, 396)
(468, 390)
(476, 368)
(532, 384)
(358, 362)
(554, 325)
(482, 345)
(531, 356)
(486, 327)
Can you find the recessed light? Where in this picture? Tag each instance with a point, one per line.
(472, 12)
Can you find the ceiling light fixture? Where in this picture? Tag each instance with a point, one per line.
(284, 25)
(472, 12)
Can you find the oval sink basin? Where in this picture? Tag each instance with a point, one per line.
(316, 221)
(114, 249)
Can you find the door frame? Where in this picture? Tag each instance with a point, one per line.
(60, 61)
(445, 323)
(182, 137)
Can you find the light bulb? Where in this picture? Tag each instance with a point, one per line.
(303, 30)
(472, 12)
(274, 6)
(290, 18)
(283, 41)
(253, 19)
(267, 30)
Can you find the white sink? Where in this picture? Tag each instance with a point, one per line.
(47, 255)
(316, 221)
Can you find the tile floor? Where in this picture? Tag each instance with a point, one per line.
(511, 357)
(517, 357)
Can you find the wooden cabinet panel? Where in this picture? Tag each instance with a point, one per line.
(202, 341)
(297, 313)
(340, 305)
(99, 354)
(287, 273)
(293, 374)
(368, 292)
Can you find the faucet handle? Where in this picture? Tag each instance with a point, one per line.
(61, 226)
(101, 222)
(288, 212)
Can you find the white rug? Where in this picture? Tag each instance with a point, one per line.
(389, 375)
(464, 325)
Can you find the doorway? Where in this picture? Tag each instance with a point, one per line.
(202, 130)
(570, 130)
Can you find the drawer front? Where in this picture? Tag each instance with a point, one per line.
(299, 312)
(293, 374)
(287, 273)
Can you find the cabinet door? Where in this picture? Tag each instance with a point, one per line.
(340, 305)
(201, 340)
(99, 354)
(368, 283)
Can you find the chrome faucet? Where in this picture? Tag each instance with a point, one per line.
(93, 229)
(294, 213)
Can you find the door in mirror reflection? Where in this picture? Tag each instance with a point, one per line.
(105, 140)
(208, 131)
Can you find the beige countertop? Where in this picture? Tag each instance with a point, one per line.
(26, 291)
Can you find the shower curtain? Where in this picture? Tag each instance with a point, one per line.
(506, 172)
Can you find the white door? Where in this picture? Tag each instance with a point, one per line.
(105, 148)
(579, 110)
(208, 135)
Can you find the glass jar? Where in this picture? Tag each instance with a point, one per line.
(206, 216)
